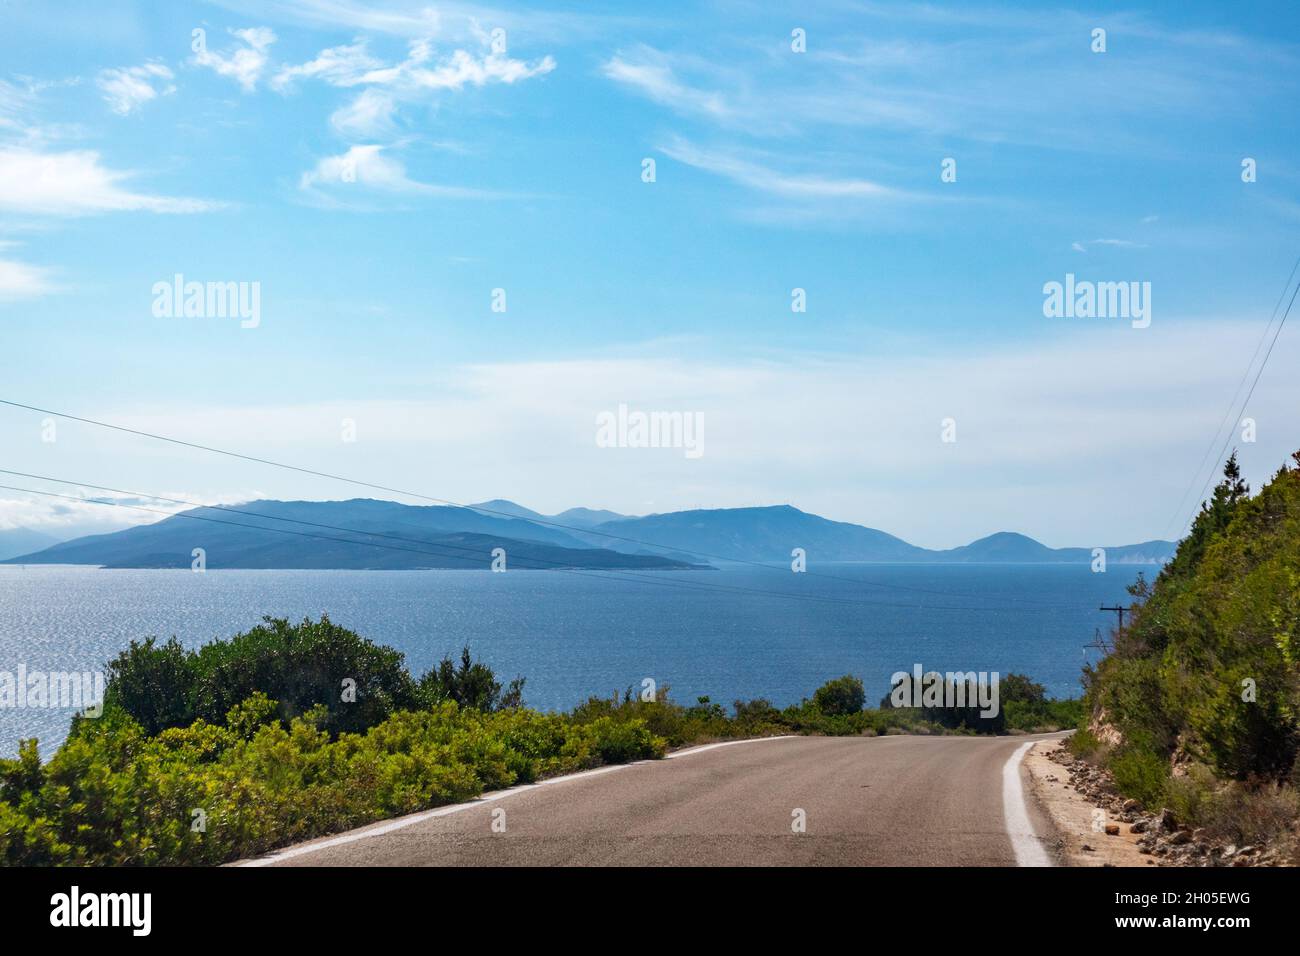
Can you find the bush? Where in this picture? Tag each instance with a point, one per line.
(154, 684)
(115, 796)
(471, 685)
(840, 697)
(315, 663)
(623, 741)
(1141, 774)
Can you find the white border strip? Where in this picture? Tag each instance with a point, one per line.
(410, 820)
(1024, 841)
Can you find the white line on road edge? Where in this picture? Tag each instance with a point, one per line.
(402, 822)
(725, 743)
(1024, 842)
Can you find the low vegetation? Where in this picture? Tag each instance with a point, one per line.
(1198, 707)
(289, 732)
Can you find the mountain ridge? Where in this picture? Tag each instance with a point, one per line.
(373, 533)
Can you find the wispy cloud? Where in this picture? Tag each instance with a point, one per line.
(127, 88)
(454, 21)
(1085, 244)
(353, 66)
(764, 179)
(650, 73)
(977, 85)
(18, 280)
(76, 183)
(344, 65)
(91, 511)
(371, 113)
(370, 169)
(246, 61)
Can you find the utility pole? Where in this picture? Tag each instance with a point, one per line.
(1118, 610)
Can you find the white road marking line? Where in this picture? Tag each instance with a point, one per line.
(1024, 842)
(410, 820)
(726, 743)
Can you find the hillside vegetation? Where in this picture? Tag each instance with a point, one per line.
(1198, 708)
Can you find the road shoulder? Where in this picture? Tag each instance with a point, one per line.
(1080, 824)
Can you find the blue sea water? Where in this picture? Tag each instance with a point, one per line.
(730, 634)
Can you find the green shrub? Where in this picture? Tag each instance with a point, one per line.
(113, 795)
(154, 684)
(1191, 796)
(1141, 774)
(840, 697)
(315, 663)
(617, 741)
(1083, 744)
(472, 685)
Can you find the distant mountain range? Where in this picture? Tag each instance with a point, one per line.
(16, 541)
(365, 533)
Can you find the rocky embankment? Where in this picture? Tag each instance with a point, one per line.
(1158, 835)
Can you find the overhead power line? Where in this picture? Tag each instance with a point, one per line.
(1228, 418)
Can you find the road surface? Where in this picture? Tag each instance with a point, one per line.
(883, 801)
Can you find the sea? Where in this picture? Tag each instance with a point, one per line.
(736, 633)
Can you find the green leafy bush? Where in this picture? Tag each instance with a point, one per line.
(1140, 773)
(840, 697)
(113, 795)
(315, 663)
(472, 684)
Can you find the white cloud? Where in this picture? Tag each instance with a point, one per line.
(1086, 244)
(449, 20)
(764, 179)
(371, 113)
(368, 116)
(464, 68)
(338, 66)
(75, 183)
(127, 88)
(246, 62)
(369, 167)
(650, 73)
(348, 66)
(14, 101)
(18, 280)
(81, 511)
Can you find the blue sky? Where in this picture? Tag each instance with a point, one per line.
(378, 169)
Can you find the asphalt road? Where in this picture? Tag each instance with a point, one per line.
(888, 801)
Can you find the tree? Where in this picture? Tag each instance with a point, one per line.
(471, 685)
(841, 696)
(1018, 687)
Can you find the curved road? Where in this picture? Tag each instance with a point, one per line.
(889, 801)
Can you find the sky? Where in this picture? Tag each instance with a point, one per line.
(460, 265)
